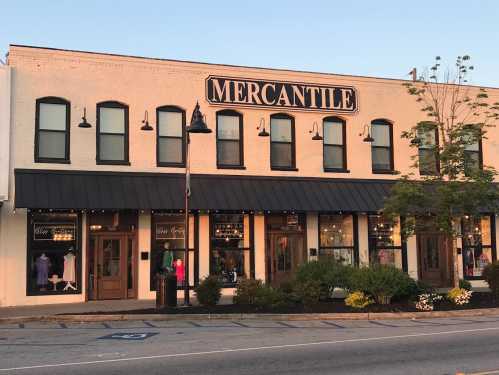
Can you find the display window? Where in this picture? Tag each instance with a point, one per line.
(478, 249)
(167, 248)
(385, 241)
(54, 254)
(337, 240)
(230, 248)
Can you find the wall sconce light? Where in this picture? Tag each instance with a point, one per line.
(145, 121)
(317, 136)
(366, 133)
(84, 123)
(261, 127)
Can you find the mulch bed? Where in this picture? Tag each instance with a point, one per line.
(479, 300)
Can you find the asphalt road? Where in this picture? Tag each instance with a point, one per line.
(438, 346)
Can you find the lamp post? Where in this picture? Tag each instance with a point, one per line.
(197, 125)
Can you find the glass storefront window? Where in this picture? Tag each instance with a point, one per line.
(477, 245)
(230, 248)
(385, 242)
(167, 251)
(337, 238)
(54, 255)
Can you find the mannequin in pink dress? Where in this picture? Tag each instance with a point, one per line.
(179, 270)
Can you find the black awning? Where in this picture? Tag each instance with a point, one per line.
(43, 189)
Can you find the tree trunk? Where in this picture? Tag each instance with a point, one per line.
(455, 261)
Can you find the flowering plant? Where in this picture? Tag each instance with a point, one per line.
(426, 301)
(358, 300)
(460, 296)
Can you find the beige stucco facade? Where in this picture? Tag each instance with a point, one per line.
(85, 79)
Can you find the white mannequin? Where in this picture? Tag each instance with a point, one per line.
(69, 270)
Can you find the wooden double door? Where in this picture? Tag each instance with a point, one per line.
(435, 266)
(112, 266)
(285, 252)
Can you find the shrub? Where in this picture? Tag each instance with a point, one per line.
(426, 301)
(358, 300)
(491, 275)
(329, 273)
(464, 284)
(424, 288)
(269, 297)
(382, 282)
(459, 296)
(246, 291)
(308, 292)
(209, 291)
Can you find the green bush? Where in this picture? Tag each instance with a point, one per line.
(308, 292)
(382, 282)
(209, 291)
(268, 297)
(424, 288)
(246, 291)
(464, 284)
(491, 276)
(327, 272)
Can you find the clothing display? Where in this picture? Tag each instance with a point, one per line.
(179, 270)
(167, 262)
(69, 273)
(42, 265)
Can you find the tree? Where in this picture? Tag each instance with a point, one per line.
(454, 182)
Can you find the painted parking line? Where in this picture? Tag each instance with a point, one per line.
(194, 324)
(106, 325)
(250, 349)
(378, 323)
(287, 325)
(149, 324)
(240, 324)
(327, 322)
(129, 336)
(63, 325)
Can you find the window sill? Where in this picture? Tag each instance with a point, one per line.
(383, 172)
(337, 170)
(53, 161)
(290, 169)
(240, 167)
(171, 165)
(112, 162)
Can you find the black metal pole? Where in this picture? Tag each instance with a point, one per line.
(186, 230)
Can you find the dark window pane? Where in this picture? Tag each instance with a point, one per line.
(343, 256)
(112, 147)
(170, 150)
(281, 155)
(427, 162)
(333, 157)
(381, 158)
(52, 144)
(228, 152)
(471, 161)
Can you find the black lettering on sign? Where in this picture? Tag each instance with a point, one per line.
(291, 95)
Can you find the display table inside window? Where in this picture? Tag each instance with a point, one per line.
(385, 243)
(168, 233)
(229, 248)
(54, 255)
(336, 238)
(477, 245)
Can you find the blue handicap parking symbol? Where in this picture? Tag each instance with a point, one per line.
(132, 336)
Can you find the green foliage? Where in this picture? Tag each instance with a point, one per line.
(209, 291)
(358, 300)
(246, 291)
(382, 282)
(308, 292)
(464, 284)
(327, 272)
(268, 297)
(491, 275)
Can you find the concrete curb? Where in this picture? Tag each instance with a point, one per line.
(270, 317)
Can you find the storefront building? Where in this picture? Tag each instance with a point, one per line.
(94, 206)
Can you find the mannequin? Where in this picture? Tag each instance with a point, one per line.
(42, 265)
(179, 270)
(167, 261)
(69, 275)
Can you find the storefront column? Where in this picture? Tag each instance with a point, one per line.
(144, 267)
(412, 257)
(497, 237)
(363, 241)
(312, 234)
(204, 246)
(260, 247)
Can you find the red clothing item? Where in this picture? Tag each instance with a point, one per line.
(179, 269)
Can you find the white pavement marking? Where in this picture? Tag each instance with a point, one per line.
(258, 348)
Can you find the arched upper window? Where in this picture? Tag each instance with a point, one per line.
(334, 140)
(112, 133)
(52, 128)
(382, 146)
(230, 144)
(170, 132)
(282, 142)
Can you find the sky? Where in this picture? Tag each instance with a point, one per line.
(383, 38)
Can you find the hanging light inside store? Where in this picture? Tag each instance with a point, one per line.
(261, 127)
(145, 121)
(317, 136)
(84, 123)
(366, 133)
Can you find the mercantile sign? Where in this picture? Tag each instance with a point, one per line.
(289, 95)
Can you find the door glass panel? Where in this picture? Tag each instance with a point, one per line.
(283, 254)
(111, 258)
(432, 256)
(130, 264)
